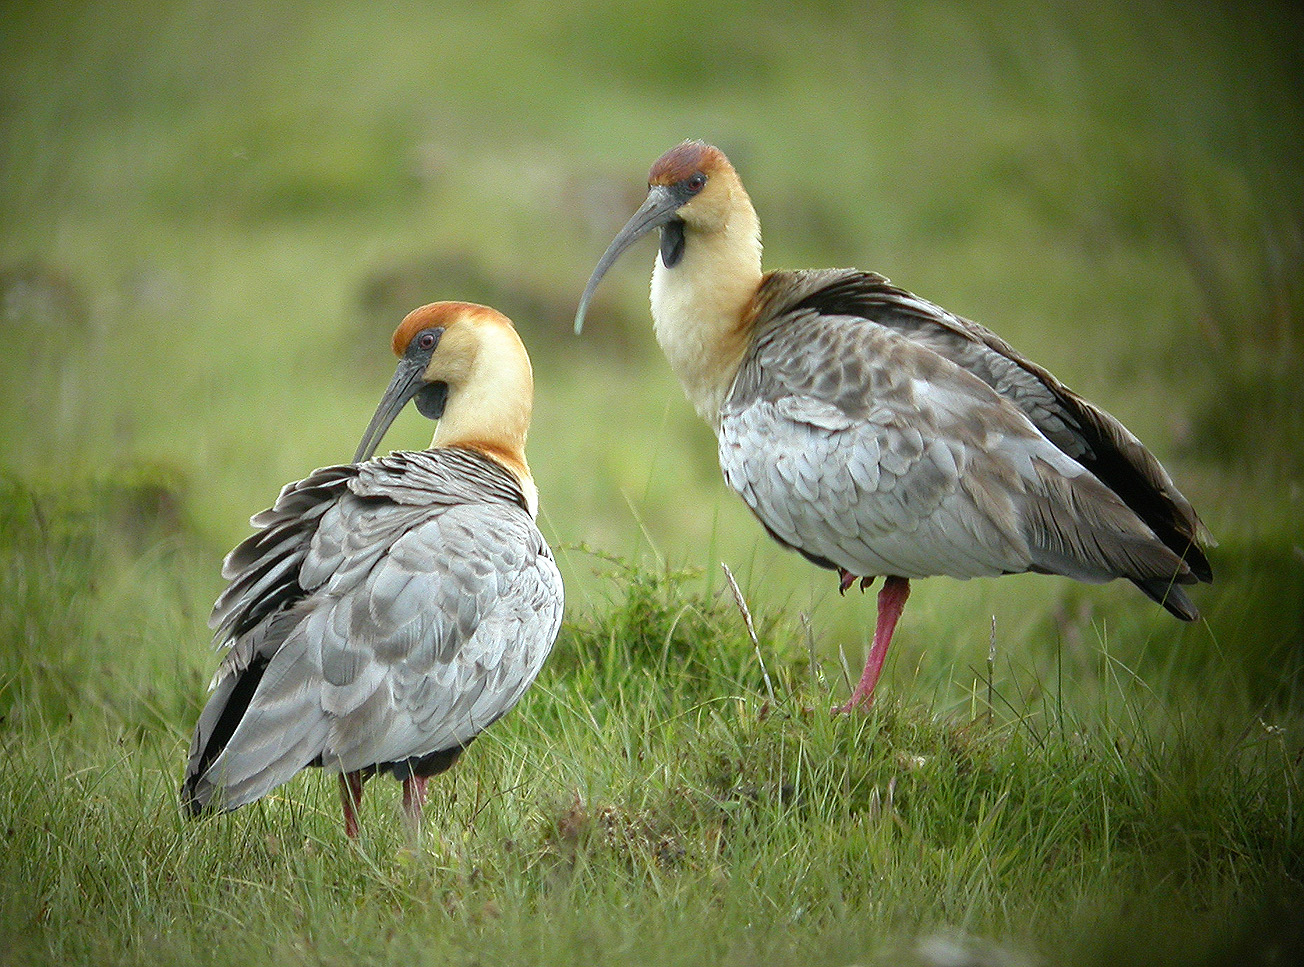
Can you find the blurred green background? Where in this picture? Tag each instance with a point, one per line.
(214, 214)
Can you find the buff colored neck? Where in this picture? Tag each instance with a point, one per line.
(490, 399)
(700, 307)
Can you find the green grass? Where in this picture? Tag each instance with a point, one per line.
(646, 803)
(213, 215)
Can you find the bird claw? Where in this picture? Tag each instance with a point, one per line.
(846, 579)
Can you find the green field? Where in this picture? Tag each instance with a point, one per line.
(212, 215)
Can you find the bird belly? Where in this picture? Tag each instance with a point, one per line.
(868, 499)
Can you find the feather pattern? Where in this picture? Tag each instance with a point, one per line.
(877, 433)
(385, 612)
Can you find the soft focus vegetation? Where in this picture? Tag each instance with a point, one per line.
(211, 218)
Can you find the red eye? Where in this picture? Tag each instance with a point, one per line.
(696, 182)
(426, 341)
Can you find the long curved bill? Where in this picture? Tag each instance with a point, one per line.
(407, 382)
(659, 208)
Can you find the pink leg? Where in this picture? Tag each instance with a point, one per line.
(414, 797)
(891, 602)
(351, 800)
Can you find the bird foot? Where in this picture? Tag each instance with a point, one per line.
(846, 579)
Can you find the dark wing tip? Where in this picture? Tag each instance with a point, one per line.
(192, 804)
(1175, 601)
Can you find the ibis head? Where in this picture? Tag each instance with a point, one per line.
(466, 368)
(691, 188)
(707, 272)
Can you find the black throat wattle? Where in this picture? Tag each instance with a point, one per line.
(672, 242)
(431, 400)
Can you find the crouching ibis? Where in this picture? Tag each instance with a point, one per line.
(879, 434)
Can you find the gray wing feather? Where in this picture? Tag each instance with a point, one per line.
(1078, 428)
(872, 451)
(422, 601)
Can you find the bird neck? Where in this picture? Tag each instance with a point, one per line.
(490, 401)
(700, 306)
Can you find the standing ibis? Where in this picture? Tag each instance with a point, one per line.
(879, 434)
(390, 610)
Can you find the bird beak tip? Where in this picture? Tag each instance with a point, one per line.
(405, 385)
(658, 209)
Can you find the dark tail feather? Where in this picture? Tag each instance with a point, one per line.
(1174, 599)
(198, 796)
